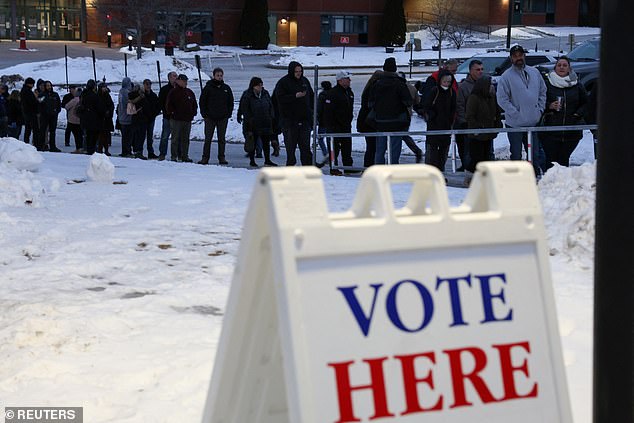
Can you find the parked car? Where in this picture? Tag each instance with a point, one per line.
(584, 60)
(496, 62)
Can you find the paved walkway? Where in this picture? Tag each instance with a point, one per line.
(235, 155)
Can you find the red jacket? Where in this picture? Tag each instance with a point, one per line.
(181, 104)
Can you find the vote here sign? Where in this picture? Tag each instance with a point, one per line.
(422, 313)
(438, 335)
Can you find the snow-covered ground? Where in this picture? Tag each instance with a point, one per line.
(114, 291)
(115, 272)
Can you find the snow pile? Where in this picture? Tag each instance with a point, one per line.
(19, 155)
(100, 169)
(568, 201)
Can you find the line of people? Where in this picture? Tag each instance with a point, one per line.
(387, 103)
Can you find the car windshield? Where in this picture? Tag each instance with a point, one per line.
(489, 63)
(584, 52)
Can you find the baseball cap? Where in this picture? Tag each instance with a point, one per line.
(182, 77)
(517, 49)
(343, 74)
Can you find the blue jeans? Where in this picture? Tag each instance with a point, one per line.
(519, 139)
(395, 149)
(165, 134)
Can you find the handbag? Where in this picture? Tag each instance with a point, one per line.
(249, 142)
(130, 109)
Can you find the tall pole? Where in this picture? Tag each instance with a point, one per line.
(83, 21)
(14, 21)
(509, 24)
(66, 66)
(613, 270)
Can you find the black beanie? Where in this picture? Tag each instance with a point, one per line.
(389, 65)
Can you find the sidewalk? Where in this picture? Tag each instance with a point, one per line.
(235, 155)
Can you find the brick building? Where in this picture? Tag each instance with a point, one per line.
(292, 22)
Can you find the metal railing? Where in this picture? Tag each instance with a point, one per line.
(452, 132)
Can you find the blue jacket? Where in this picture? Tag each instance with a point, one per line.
(521, 93)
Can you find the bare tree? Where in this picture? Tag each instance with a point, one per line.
(442, 12)
(458, 33)
(180, 17)
(131, 17)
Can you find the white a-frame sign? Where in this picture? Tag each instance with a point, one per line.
(423, 313)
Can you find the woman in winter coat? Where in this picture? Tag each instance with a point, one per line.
(51, 105)
(104, 139)
(73, 121)
(14, 115)
(566, 100)
(256, 108)
(439, 109)
(482, 111)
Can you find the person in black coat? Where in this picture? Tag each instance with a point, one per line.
(30, 109)
(104, 138)
(51, 106)
(151, 110)
(440, 109)
(257, 120)
(481, 111)
(162, 98)
(4, 119)
(15, 120)
(363, 125)
(92, 115)
(389, 102)
(337, 116)
(295, 97)
(216, 107)
(566, 100)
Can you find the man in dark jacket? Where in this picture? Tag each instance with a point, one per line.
(162, 97)
(216, 107)
(181, 107)
(294, 97)
(338, 115)
(390, 101)
(51, 106)
(476, 69)
(30, 106)
(152, 108)
(93, 115)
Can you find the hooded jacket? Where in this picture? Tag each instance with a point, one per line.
(216, 100)
(390, 100)
(124, 117)
(521, 93)
(440, 107)
(292, 109)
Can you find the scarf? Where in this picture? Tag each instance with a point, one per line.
(567, 81)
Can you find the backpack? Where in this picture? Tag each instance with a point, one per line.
(426, 112)
(426, 89)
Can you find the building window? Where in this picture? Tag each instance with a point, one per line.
(349, 24)
(536, 6)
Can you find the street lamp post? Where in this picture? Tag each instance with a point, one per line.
(153, 43)
(129, 42)
(109, 34)
(509, 23)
